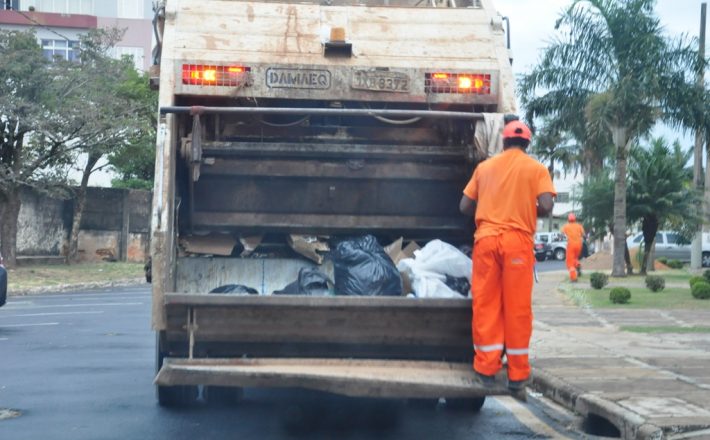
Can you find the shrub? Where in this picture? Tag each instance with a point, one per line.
(706, 275)
(675, 264)
(701, 290)
(655, 283)
(662, 260)
(696, 279)
(620, 295)
(598, 280)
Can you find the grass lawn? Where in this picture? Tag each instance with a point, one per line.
(664, 329)
(22, 278)
(641, 297)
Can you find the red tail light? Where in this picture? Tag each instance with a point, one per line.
(464, 83)
(204, 75)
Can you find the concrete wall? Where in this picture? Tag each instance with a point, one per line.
(115, 225)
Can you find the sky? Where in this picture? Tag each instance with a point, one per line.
(532, 25)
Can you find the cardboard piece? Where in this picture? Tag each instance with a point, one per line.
(397, 253)
(212, 244)
(309, 246)
(250, 244)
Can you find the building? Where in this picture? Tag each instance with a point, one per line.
(59, 23)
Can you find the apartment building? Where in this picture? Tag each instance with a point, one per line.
(59, 23)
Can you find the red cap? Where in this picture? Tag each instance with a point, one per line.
(571, 217)
(517, 129)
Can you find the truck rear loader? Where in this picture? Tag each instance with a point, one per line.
(316, 118)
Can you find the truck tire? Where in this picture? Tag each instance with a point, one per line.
(171, 397)
(223, 396)
(473, 404)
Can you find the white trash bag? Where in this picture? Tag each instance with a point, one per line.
(427, 271)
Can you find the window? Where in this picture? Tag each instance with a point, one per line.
(61, 6)
(64, 49)
(563, 197)
(130, 9)
(10, 5)
(638, 238)
(659, 238)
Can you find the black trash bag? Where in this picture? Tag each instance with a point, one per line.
(362, 267)
(237, 289)
(458, 284)
(310, 282)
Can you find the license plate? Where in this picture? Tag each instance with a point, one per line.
(380, 81)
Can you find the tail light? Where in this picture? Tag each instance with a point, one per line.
(205, 75)
(463, 83)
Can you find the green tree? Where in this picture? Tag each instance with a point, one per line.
(612, 61)
(32, 153)
(107, 117)
(660, 191)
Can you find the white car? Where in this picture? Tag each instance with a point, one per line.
(670, 245)
(557, 242)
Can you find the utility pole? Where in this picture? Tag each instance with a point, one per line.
(696, 248)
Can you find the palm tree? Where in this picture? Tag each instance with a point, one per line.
(660, 190)
(612, 61)
(552, 146)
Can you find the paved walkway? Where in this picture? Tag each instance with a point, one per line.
(647, 385)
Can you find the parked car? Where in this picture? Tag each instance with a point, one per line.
(557, 243)
(543, 251)
(670, 245)
(3, 282)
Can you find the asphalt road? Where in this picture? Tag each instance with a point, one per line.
(550, 265)
(80, 366)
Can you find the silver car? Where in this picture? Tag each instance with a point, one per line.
(670, 245)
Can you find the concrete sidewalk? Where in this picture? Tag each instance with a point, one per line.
(650, 386)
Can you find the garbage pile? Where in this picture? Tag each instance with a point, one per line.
(360, 267)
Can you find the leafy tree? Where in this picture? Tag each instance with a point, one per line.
(106, 113)
(612, 60)
(32, 153)
(135, 163)
(660, 191)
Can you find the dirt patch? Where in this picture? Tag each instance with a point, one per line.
(598, 261)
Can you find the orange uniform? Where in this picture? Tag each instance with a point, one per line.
(575, 236)
(505, 188)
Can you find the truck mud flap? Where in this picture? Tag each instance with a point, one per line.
(349, 377)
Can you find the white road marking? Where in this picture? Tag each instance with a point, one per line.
(77, 305)
(52, 314)
(29, 325)
(527, 418)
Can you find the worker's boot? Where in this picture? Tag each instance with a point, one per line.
(486, 380)
(579, 270)
(518, 389)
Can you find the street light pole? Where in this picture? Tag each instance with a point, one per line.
(696, 248)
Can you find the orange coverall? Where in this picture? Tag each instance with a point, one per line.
(575, 236)
(505, 189)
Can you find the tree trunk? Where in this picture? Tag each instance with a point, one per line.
(9, 212)
(649, 226)
(621, 141)
(79, 205)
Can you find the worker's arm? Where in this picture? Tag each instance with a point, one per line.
(544, 204)
(467, 206)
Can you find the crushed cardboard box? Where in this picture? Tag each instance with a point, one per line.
(310, 246)
(212, 244)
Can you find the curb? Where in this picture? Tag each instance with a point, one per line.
(80, 286)
(631, 425)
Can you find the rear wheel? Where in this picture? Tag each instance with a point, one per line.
(473, 404)
(540, 257)
(175, 396)
(706, 259)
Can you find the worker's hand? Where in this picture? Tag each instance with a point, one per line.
(467, 206)
(545, 203)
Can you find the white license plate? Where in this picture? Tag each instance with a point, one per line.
(381, 81)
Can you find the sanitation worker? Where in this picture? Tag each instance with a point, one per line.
(505, 196)
(575, 238)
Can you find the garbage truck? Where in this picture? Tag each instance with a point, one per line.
(286, 124)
